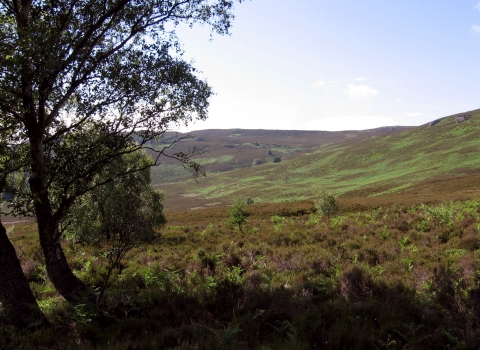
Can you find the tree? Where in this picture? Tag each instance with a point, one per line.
(121, 213)
(238, 215)
(16, 297)
(326, 203)
(82, 83)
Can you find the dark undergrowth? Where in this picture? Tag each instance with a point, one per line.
(393, 277)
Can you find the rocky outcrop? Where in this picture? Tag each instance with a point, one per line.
(461, 119)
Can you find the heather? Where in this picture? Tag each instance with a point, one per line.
(390, 276)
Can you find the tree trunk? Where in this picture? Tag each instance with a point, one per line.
(58, 270)
(36, 124)
(15, 293)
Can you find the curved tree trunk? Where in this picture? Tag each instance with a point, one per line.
(15, 293)
(58, 270)
(37, 120)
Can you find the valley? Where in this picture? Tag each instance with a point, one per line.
(414, 160)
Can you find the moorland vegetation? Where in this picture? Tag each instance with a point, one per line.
(394, 276)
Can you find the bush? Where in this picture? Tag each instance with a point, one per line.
(122, 212)
(125, 209)
(238, 215)
(326, 203)
(257, 161)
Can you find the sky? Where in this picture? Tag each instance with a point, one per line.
(339, 65)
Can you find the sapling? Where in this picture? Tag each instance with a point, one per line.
(238, 215)
(326, 203)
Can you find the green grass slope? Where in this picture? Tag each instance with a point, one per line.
(231, 149)
(378, 165)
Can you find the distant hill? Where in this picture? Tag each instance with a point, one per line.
(352, 163)
(230, 149)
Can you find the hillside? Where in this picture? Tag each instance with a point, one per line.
(413, 159)
(231, 149)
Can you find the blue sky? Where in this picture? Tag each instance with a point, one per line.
(340, 65)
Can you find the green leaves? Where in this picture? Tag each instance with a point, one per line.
(326, 203)
(82, 80)
(125, 209)
(238, 215)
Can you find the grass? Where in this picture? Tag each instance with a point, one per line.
(293, 279)
(392, 190)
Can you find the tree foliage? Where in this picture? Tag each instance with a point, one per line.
(80, 80)
(238, 214)
(120, 214)
(326, 202)
(125, 210)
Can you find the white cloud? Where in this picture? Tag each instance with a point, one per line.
(360, 91)
(475, 29)
(319, 83)
(361, 79)
(414, 114)
(397, 100)
(477, 6)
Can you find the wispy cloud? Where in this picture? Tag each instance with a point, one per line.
(360, 91)
(319, 83)
(414, 114)
(475, 29)
(361, 79)
(477, 6)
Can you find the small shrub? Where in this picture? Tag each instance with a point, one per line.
(257, 161)
(442, 215)
(238, 215)
(326, 203)
(210, 259)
